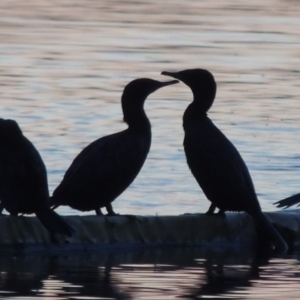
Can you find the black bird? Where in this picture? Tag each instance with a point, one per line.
(105, 168)
(23, 179)
(214, 161)
(288, 202)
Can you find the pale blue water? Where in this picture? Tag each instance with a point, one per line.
(63, 66)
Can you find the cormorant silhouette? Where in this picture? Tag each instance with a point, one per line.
(214, 161)
(288, 202)
(105, 168)
(23, 179)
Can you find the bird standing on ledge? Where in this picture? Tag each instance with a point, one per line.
(214, 161)
(106, 167)
(23, 179)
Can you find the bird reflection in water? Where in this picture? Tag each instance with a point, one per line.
(153, 273)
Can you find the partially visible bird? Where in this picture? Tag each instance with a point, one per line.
(214, 161)
(288, 202)
(105, 168)
(23, 179)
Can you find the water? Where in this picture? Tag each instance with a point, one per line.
(187, 273)
(63, 66)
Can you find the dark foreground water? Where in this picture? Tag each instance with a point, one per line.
(174, 273)
(63, 66)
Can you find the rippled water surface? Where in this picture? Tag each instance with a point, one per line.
(63, 66)
(150, 274)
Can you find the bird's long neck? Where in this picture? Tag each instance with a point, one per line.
(198, 109)
(194, 113)
(135, 117)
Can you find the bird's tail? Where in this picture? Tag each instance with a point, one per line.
(287, 202)
(267, 229)
(54, 223)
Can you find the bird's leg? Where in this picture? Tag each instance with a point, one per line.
(211, 210)
(55, 207)
(98, 211)
(110, 211)
(1, 208)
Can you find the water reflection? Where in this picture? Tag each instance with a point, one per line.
(187, 273)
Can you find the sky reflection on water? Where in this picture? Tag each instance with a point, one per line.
(63, 66)
(184, 273)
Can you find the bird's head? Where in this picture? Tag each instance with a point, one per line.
(201, 82)
(136, 92)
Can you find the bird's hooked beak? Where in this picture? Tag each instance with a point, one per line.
(162, 84)
(171, 74)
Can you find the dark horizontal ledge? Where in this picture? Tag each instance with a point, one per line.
(128, 231)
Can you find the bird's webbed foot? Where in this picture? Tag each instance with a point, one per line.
(211, 211)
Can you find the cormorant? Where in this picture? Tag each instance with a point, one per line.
(105, 168)
(23, 179)
(214, 161)
(288, 202)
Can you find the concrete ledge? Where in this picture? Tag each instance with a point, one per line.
(95, 232)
